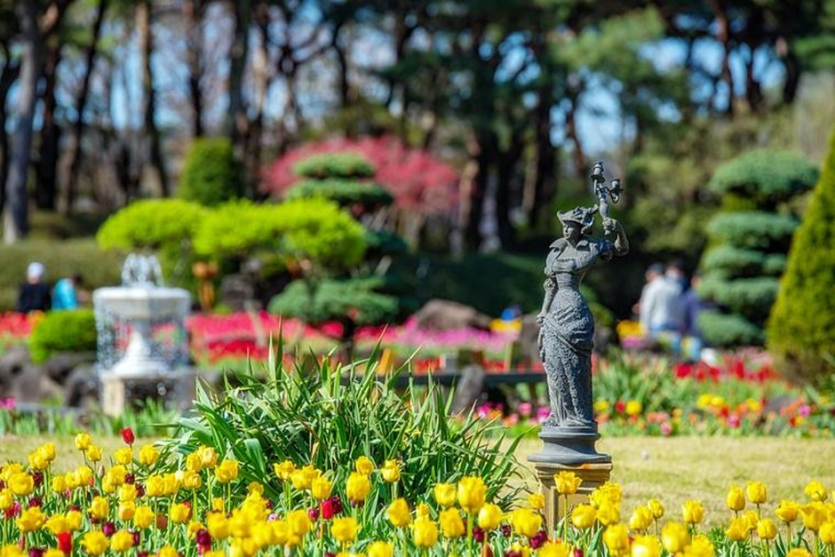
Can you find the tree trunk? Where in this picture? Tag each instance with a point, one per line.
(46, 168)
(543, 184)
(193, 14)
(723, 35)
(152, 133)
(262, 80)
(16, 214)
(80, 104)
(238, 53)
(485, 157)
(7, 78)
(792, 82)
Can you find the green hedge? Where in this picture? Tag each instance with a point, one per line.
(334, 299)
(344, 192)
(751, 297)
(335, 165)
(63, 331)
(211, 174)
(61, 259)
(801, 330)
(753, 229)
(765, 175)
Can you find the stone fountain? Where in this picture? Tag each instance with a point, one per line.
(142, 337)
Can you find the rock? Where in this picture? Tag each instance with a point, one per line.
(11, 364)
(33, 385)
(443, 315)
(236, 291)
(81, 386)
(60, 365)
(468, 389)
(529, 341)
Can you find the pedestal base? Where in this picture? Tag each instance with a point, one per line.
(569, 450)
(118, 390)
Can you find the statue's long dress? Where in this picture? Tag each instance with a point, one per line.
(568, 331)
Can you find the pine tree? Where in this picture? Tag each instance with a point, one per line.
(801, 329)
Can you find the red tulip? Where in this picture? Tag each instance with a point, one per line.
(65, 542)
(127, 436)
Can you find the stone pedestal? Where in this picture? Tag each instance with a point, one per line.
(568, 449)
(119, 390)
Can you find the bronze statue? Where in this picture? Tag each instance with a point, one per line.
(567, 325)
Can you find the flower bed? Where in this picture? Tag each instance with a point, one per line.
(149, 501)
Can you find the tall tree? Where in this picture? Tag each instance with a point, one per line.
(144, 22)
(193, 15)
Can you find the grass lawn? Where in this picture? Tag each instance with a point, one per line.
(671, 469)
(677, 469)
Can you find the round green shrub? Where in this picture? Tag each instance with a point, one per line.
(729, 261)
(344, 192)
(801, 329)
(765, 175)
(151, 223)
(751, 297)
(357, 299)
(753, 229)
(63, 331)
(726, 330)
(237, 228)
(335, 165)
(211, 174)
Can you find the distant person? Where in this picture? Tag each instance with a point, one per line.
(34, 293)
(675, 272)
(510, 313)
(694, 305)
(65, 294)
(661, 310)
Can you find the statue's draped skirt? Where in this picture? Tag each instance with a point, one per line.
(567, 341)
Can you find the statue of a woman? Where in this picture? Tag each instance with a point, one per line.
(567, 325)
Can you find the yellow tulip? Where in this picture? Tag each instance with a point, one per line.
(787, 511)
(675, 537)
(737, 530)
(693, 512)
(123, 456)
(37, 462)
(143, 517)
(553, 549)
(445, 494)
(126, 510)
(751, 518)
(526, 522)
(364, 465)
(814, 515)
(766, 529)
(6, 499)
(100, 508)
(816, 491)
(192, 480)
(226, 471)
(344, 530)
(168, 551)
(490, 517)
(208, 456)
(31, 519)
(298, 523)
(634, 408)
(609, 491)
(398, 513)
(195, 526)
(21, 484)
(121, 541)
(452, 526)
(59, 484)
(798, 552)
(357, 487)
(827, 532)
(424, 532)
(735, 498)
(641, 519)
(616, 538)
(95, 542)
(567, 483)
(93, 453)
(536, 501)
(83, 441)
(218, 526)
(646, 546)
(472, 494)
(179, 513)
(656, 508)
(321, 488)
(85, 475)
(756, 492)
(284, 470)
(583, 516)
(148, 455)
(302, 478)
(217, 504)
(54, 552)
(380, 549)
(74, 519)
(390, 471)
(56, 524)
(700, 546)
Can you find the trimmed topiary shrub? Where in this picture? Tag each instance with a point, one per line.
(63, 331)
(765, 177)
(749, 240)
(335, 165)
(801, 330)
(211, 174)
(151, 223)
(344, 192)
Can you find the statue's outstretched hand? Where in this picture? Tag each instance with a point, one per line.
(540, 318)
(609, 225)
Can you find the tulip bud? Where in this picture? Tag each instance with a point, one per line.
(127, 436)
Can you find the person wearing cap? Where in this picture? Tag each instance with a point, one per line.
(34, 294)
(661, 307)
